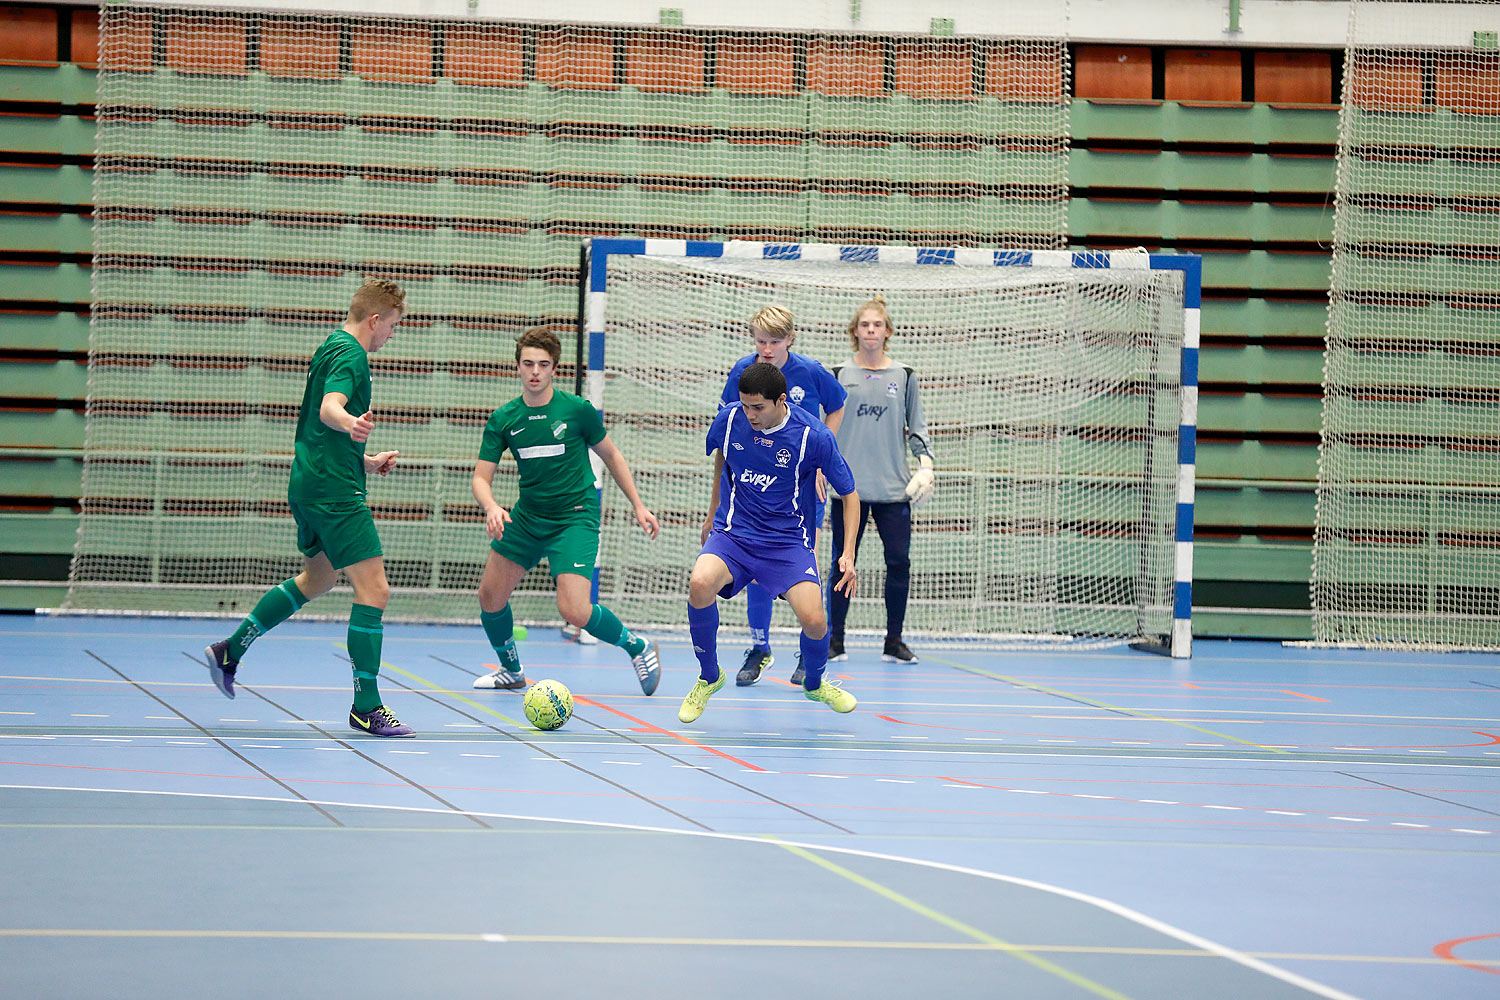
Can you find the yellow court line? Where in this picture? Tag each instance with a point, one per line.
(1099, 704)
(951, 923)
(477, 706)
(490, 938)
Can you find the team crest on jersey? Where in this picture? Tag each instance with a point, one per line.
(559, 427)
(783, 458)
(891, 388)
(796, 394)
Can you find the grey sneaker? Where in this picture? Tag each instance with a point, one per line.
(220, 667)
(648, 668)
(799, 675)
(757, 659)
(503, 680)
(378, 721)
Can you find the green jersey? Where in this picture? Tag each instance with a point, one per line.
(330, 465)
(551, 446)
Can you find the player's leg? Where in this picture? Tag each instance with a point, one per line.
(277, 604)
(365, 637)
(575, 602)
(758, 657)
(572, 552)
(893, 521)
(806, 599)
(711, 574)
(799, 674)
(501, 575)
(838, 601)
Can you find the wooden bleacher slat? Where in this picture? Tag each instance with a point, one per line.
(485, 55)
(1293, 77)
(1204, 75)
(576, 58)
(1018, 71)
(83, 27)
(757, 64)
(935, 69)
(665, 62)
(207, 45)
(392, 53)
(846, 67)
(28, 34)
(1112, 72)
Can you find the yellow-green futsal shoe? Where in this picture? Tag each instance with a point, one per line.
(697, 698)
(835, 697)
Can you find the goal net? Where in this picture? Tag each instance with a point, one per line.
(1053, 388)
(1407, 543)
(254, 166)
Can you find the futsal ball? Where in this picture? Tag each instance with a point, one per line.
(548, 704)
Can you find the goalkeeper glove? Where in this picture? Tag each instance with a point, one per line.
(922, 481)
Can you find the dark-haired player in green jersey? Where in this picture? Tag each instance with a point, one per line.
(335, 529)
(550, 433)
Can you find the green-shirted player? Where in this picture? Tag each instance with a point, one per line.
(550, 433)
(335, 530)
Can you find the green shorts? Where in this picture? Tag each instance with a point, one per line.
(344, 529)
(569, 540)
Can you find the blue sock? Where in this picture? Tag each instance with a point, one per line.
(703, 626)
(814, 659)
(758, 603)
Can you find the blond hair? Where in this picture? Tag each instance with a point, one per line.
(878, 304)
(774, 321)
(376, 296)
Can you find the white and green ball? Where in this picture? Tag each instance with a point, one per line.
(548, 704)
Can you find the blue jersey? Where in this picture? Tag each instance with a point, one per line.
(769, 490)
(808, 384)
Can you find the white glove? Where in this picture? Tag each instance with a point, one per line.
(922, 481)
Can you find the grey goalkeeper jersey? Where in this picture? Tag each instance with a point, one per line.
(882, 422)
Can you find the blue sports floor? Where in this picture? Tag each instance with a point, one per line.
(1258, 822)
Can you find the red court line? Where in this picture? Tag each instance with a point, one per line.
(1298, 694)
(1444, 950)
(648, 727)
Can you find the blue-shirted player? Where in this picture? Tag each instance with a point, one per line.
(810, 387)
(768, 456)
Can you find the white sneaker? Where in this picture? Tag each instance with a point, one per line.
(572, 633)
(503, 680)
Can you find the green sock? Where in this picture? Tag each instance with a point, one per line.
(274, 607)
(604, 626)
(364, 649)
(500, 629)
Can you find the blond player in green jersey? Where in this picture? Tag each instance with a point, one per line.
(550, 433)
(335, 529)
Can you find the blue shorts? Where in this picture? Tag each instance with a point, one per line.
(776, 568)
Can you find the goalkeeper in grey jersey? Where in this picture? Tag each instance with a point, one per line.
(882, 420)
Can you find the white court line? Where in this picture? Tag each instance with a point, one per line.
(1108, 906)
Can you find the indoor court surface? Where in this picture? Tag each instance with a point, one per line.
(1258, 822)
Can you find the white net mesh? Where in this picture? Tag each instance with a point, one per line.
(1052, 398)
(1407, 544)
(253, 167)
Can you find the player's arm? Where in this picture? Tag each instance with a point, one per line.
(713, 497)
(851, 534)
(495, 516)
(923, 480)
(834, 396)
(614, 461)
(333, 415)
